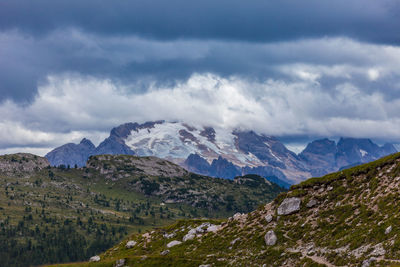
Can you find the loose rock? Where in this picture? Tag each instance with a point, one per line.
(268, 218)
(173, 243)
(388, 229)
(130, 244)
(165, 252)
(289, 206)
(270, 238)
(94, 258)
(311, 203)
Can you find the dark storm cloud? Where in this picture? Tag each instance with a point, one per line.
(257, 20)
(47, 44)
(300, 69)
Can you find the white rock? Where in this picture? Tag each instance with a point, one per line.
(289, 206)
(192, 231)
(188, 237)
(200, 228)
(330, 188)
(205, 265)
(268, 218)
(94, 258)
(171, 235)
(213, 228)
(270, 238)
(388, 229)
(130, 244)
(173, 243)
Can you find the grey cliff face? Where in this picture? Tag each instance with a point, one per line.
(71, 154)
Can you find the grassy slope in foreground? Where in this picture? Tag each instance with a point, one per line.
(355, 220)
(50, 215)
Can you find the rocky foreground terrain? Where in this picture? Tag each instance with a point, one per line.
(348, 218)
(53, 215)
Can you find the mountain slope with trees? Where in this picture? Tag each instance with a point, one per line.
(63, 214)
(348, 218)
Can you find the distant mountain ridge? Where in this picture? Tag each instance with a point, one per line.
(223, 153)
(324, 156)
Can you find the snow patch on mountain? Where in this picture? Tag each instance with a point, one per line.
(363, 152)
(177, 140)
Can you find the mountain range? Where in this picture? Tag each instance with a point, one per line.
(223, 153)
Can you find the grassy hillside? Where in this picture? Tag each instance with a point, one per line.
(347, 218)
(50, 215)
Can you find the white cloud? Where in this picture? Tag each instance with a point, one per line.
(296, 100)
(82, 105)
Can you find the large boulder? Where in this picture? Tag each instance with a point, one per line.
(270, 238)
(289, 206)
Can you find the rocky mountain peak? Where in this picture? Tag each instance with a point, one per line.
(321, 147)
(87, 143)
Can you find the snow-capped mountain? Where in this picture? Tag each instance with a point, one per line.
(224, 153)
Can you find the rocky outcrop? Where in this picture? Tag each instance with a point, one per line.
(289, 206)
(115, 166)
(21, 163)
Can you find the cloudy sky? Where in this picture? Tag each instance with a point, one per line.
(294, 69)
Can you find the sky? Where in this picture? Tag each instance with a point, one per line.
(298, 70)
